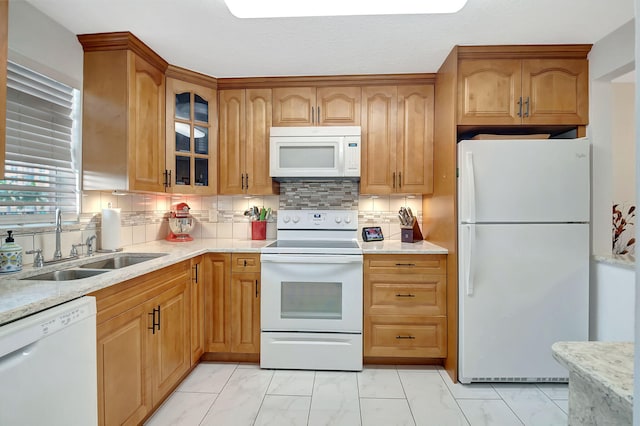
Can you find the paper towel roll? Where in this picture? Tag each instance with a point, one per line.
(110, 229)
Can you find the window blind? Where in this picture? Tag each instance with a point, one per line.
(40, 169)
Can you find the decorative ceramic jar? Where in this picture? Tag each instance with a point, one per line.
(10, 255)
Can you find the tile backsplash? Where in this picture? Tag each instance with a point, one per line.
(144, 217)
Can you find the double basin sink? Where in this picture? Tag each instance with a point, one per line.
(95, 267)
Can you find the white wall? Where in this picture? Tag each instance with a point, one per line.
(623, 143)
(613, 303)
(38, 42)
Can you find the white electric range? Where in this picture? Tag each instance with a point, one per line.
(311, 303)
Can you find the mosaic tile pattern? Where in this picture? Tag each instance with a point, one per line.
(329, 194)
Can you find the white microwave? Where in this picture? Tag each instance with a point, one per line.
(331, 151)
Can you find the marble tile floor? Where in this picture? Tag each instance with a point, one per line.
(228, 394)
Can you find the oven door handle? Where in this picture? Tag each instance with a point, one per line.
(320, 259)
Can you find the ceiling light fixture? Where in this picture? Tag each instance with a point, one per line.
(298, 8)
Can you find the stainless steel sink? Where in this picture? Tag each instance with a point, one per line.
(121, 261)
(66, 275)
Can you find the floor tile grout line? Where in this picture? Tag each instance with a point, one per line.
(219, 393)
(358, 392)
(313, 386)
(273, 373)
(406, 398)
(444, 382)
(507, 404)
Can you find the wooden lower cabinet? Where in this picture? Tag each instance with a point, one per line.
(232, 303)
(143, 341)
(405, 306)
(198, 275)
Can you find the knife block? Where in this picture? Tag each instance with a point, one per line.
(411, 234)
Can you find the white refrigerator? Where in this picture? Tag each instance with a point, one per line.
(523, 244)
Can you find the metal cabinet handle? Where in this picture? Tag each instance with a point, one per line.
(394, 180)
(405, 337)
(526, 111)
(167, 178)
(313, 116)
(153, 320)
(399, 179)
(318, 121)
(520, 106)
(409, 265)
(256, 288)
(405, 295)
(247, 183)
(245, 263)
(195, 279)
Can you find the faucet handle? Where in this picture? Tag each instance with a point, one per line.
(38, 260)
(74, 249)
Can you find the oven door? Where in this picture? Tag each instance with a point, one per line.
(321, 293)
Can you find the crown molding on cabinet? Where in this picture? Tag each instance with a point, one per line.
(189, 76)
(121, 41)
(326, 81)
(534, 51)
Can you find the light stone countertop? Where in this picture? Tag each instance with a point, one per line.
(398, 247)
(605, 365)
(19, 298)
(617, 260)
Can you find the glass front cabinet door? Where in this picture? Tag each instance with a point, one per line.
(191, 138)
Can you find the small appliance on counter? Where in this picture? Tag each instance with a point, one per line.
(10, 255)
(180, 224)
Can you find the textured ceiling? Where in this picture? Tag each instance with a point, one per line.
(203, 36)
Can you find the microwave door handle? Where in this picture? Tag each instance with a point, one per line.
(341, 154)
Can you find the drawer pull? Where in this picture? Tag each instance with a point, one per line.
(405, 337)
(405, 295)
(409, 265)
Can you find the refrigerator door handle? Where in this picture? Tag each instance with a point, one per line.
(468, 259)
(471, 188)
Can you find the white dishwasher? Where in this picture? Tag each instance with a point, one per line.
(48, 367)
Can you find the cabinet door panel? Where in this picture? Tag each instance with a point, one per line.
(245, 316)
(292, 106)
(146, 128)
(338, 106)
(415, 139)
(258, 122)
(124, 388)
(171, 339)
(379, 123)
(557, 91)
(231, 140)
(488, 92)
(217, 303)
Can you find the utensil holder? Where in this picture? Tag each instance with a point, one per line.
(411, 234)
(259, 230)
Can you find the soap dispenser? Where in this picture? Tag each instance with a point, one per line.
(10, 255)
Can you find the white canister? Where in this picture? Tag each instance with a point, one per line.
(10, 255)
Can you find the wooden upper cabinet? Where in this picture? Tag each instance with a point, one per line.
(245, 121)
(311, 106)
(123, 126)
(397, 139)
(192, 132)
(489, 91)
(557, 91)
(4, 35)
(531, 91)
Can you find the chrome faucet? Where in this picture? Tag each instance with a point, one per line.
(90, 246)
(58, 253)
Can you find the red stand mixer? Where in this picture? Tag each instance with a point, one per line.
(180, 223)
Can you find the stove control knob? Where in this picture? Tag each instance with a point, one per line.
(338, 220)
(296, 219)
(347, 219)
(286, 219)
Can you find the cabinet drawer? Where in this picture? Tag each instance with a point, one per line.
(406, 264)
(400, 336)
(411, 295)
(245, 262)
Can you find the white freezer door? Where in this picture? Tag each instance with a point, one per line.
(521, 288)
(523, 180)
